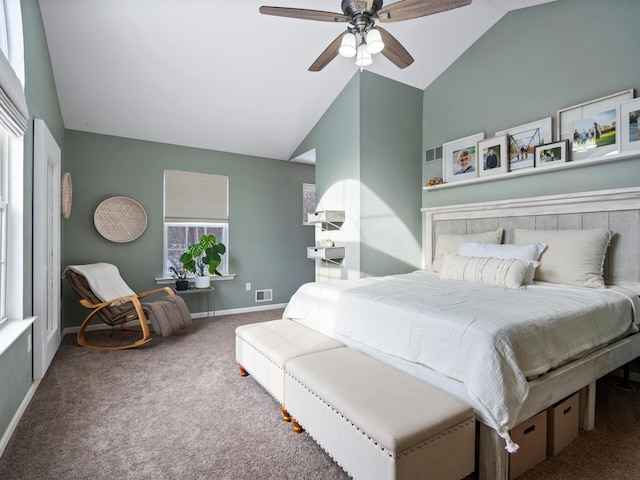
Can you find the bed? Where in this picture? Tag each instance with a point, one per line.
(565, 329)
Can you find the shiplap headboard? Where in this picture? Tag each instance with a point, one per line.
(618, 210)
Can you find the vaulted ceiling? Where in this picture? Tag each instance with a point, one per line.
(218, 75)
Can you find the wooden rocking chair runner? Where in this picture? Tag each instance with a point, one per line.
(119, 311)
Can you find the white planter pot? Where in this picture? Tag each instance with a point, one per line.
(203, 281)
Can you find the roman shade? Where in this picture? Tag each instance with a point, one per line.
(195, 197)
(14, 115)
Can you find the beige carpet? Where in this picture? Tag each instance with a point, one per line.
(178, 409)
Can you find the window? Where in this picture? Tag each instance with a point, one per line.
(14, 118)
(195, 204)
(179, 235)
(308, 201)
(4, 164)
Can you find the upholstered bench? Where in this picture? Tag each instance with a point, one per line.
(378, 422)
(263, 348)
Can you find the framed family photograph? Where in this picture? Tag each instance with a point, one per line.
(524, 139)
(459, 159)
(552, 154)
(630, 126)
(492, 156)
(591, 127)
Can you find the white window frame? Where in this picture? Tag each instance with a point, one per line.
(224, 238)
(12, 179)
(307, 187)
(4, 224)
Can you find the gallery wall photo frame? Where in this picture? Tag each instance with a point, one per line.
(630, 126)
(524, 139)
(591, 127)
(552, 154)
(459, 159)
(492, 156)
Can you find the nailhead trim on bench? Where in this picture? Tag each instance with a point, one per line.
(261, 353)
(466, 423)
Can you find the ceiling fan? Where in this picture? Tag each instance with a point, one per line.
(363, 36)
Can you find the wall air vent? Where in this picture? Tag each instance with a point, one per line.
(433, 154)
(264, 295)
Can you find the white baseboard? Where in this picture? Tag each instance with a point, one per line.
(231, 311)
(4, 441)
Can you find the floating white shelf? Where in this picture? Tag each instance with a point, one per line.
(331, 217)
(330, 254)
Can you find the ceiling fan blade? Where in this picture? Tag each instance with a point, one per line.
(303, 14)
(329, 54)
(409, 9)
(394, 50)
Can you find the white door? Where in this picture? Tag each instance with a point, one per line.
(46, 248)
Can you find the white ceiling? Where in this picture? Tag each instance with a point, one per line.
(219, 75)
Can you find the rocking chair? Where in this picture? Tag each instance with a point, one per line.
(123, 307)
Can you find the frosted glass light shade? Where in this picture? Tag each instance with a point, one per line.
(348, 45)
(374, 41)
(364, 57)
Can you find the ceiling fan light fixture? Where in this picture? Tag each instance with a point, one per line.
(364, 57)
(348, 45)
(374, 41)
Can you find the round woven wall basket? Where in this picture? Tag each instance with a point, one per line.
(120, 219)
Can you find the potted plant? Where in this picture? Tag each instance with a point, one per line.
(180, 274)
(203, 259)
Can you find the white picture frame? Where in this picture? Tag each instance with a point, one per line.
(452, 158)
(492, 156)
(523, 140)
(552, 155)
(591, 127)
(630, 126)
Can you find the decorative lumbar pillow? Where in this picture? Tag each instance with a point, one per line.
(572, 257)
(450, 243)
(531, 251)
(507, 273)
(528, 253)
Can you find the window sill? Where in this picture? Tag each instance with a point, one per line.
(214, 278)
(11, 331)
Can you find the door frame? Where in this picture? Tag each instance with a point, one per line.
(46, 247)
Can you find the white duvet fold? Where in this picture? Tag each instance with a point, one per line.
(490, 338)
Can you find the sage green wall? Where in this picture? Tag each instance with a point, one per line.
(390, 139)
(371, 134)
(15, 378)
(532, 63)
(42, 101)
(336, 140)
(267, 240)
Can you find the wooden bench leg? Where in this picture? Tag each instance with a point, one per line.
(296, 426)
(285, 415)
(243, 372)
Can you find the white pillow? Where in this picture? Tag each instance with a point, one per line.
(450, 243)
(507, 273)
(572, 257)
(528, 253)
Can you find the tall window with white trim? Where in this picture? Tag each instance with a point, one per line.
(4, 155)
(195, 204)
(14, 120)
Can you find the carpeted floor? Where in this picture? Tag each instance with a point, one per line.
(177, 408)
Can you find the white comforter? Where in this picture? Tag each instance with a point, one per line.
(490, 338)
